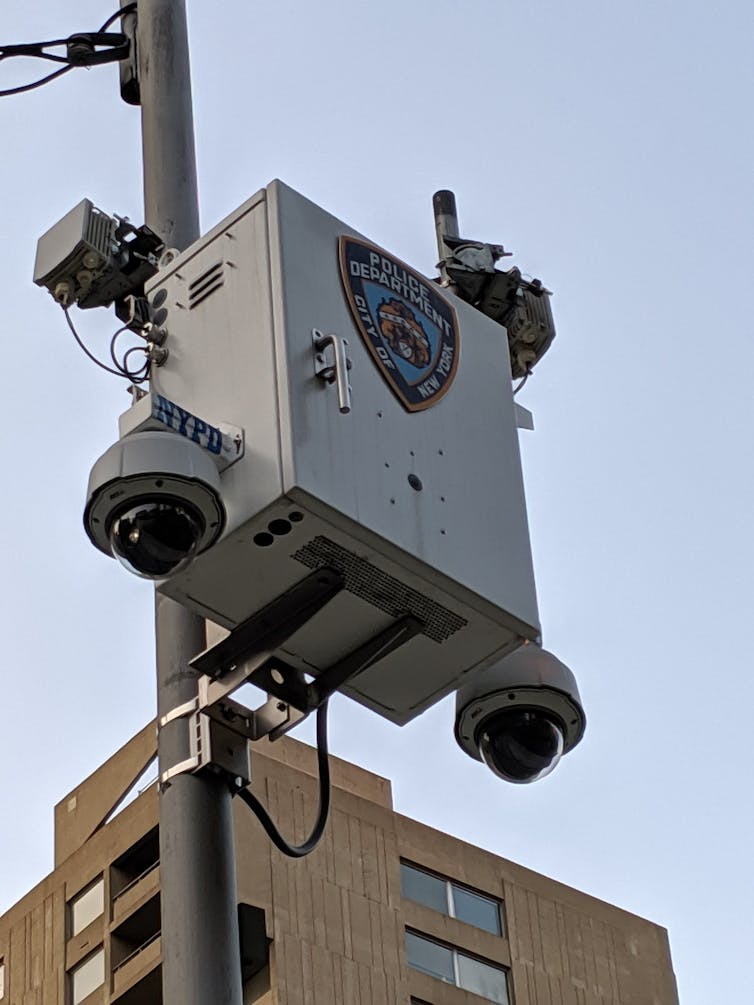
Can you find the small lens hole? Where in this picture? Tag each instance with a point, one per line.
(263, 540)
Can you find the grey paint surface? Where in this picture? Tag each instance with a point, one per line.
(469, 520)
(243, 355)
(608, 149)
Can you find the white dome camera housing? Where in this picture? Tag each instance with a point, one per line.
(520, 715)
(154, 503)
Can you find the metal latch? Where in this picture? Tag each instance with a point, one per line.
(331, 364)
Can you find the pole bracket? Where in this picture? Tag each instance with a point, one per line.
(213, 745)
(221, 728)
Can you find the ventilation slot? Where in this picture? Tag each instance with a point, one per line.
(377, 588)
(205, 285)
(99, 231)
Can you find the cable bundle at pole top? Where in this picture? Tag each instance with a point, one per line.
(80, 49)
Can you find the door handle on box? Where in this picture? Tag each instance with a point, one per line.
(331, 364)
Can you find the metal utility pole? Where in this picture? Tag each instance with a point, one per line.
(200, 947)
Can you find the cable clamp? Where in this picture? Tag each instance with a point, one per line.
(82, 48)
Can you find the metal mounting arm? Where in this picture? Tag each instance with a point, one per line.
(220, 727)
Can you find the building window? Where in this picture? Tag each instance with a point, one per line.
(133, 865)
(452, 966)
(430, 958)
(87, 976)
(449, 898)
(2, 977)
(86, 906)
(135, 933)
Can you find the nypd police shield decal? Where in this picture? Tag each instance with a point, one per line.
(410, 330)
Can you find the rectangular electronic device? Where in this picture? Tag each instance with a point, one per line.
(81, 242)
(415, 495)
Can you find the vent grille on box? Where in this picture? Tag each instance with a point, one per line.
(379, 589)
(205, 285)
(99, 229)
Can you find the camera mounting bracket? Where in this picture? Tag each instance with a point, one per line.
(220, 728)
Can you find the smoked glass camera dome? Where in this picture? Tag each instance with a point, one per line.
(521, 745)
(155, 539)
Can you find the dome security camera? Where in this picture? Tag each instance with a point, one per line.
(154, 502)
(520, 715)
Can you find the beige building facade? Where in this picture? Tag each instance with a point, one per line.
(386, 911)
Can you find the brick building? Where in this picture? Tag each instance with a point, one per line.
(386, 911)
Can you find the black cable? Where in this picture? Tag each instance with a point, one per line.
(521, 383)
(9, 52)
(52, 58)
(92, 357)
(299, 851)
(137, 376)
(36, 83)
(34, 49)
(129, 7)
(113, 340)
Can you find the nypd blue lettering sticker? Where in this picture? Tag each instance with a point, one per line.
(410, 330)
(226, 442)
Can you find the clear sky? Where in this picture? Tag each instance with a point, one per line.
(610, 147)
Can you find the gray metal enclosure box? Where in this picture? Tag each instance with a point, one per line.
(329, 489)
